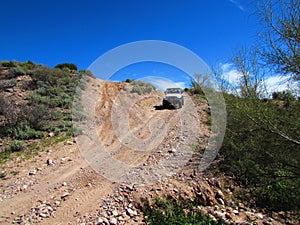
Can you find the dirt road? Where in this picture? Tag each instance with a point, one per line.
(66, 181)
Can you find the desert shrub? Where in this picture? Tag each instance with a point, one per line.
(2, 104)
(15, 71)
(45, 76)
(170, 212)
(6, 63)
(137, 89)
(286, 96)
(77, 114)
(35, 98)
(74, 131)
(29, 65)
(141, 87)
(85, 72)
(4, 84)
(128, 80)
(47, 108)
(56, 114)
(70, 66)
(66, 125)
(16, 145)
(196, 86)
(23, 132)
(37, 114)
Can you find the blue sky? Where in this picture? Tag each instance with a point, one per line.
(52, 32)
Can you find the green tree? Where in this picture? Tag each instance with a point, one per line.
(251, 74)
(279, 38)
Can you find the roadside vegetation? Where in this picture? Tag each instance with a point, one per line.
(261, 146)
(140, 87)
(170, 212)
(261, 150)
(35, 103)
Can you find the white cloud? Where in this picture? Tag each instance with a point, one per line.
(230, 74)
(162, 83)
(272, 83)
(237, 4)
(278, 83)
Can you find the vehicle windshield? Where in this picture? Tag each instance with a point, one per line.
(173, 90)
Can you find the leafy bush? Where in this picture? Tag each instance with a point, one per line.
(70, 66)
(279, 195)
(261, 150)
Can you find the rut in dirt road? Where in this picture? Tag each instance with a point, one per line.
(117, 144)
(75, 187)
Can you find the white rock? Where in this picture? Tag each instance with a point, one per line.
(24, 187)
(33, 172)
(131, 212)
(236, 212)
(260, 216)
(221, 201)
(66, 194)
(120, 218)
(242, 206)
(115, 213)
(173, 150)
(113, 221)
(50, 162)
(43, 215)
(70, 142)
(220, 194)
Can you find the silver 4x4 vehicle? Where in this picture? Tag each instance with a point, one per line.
(173, 98)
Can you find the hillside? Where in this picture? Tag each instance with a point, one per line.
(47, 178)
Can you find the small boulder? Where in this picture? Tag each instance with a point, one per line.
(50, 162)
(33, 172)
